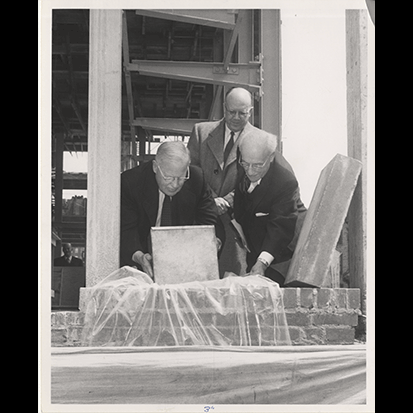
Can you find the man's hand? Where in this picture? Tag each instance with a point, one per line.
(258, 268)
(222, 205)
(145, 261)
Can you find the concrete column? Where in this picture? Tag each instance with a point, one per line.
(356, 61)
(104, 144)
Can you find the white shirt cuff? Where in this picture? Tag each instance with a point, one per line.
(266, 256)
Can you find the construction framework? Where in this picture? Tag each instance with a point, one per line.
(155, 72)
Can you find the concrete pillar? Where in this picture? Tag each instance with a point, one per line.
(356, 61)
(104, 144)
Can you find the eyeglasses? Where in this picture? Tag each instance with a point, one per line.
(170, 179)
(233, 113)
(254, 166)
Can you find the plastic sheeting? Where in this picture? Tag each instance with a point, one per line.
(209, 376)
(128, 309)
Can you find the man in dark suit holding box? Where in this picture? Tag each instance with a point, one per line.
(267, 205)
(165, 192)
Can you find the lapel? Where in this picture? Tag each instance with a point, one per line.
(264, 188)
(151, 195)
(215, 142)
(234, 151)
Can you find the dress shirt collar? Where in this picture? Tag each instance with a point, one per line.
(253, 185)
(228, 135)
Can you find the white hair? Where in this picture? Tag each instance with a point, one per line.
(259, 138)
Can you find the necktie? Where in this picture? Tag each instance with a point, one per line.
(246, 184)
(166, 217)
(229, 146)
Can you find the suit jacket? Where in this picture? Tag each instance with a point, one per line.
(272, 215)
(206, 145)
(61, 262)
(192, 205)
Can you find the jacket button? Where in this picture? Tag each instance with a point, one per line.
(216, 171)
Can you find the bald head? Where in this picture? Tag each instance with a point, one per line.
(67, 249)
(237, 108)
(239, 95)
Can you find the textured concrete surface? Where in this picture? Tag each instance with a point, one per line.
(323, 223)
(104, 144)
(184, 253)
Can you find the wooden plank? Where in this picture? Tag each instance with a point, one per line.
(356, 61)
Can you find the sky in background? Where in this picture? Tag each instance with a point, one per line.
(313, 92)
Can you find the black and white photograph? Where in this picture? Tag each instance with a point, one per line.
(206, 206)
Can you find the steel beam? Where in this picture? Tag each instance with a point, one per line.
(270, 43)
(247, 75)
(246, 37)
(224, 19)
(228, 55)
(171, 125)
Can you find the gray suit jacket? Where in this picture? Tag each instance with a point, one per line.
(206, 145)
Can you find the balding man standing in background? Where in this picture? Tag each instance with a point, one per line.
(213, 147)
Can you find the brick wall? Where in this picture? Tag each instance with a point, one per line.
(314, 316)
(322, 316)
(66, 328)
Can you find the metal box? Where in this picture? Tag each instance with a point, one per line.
(184, 253)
